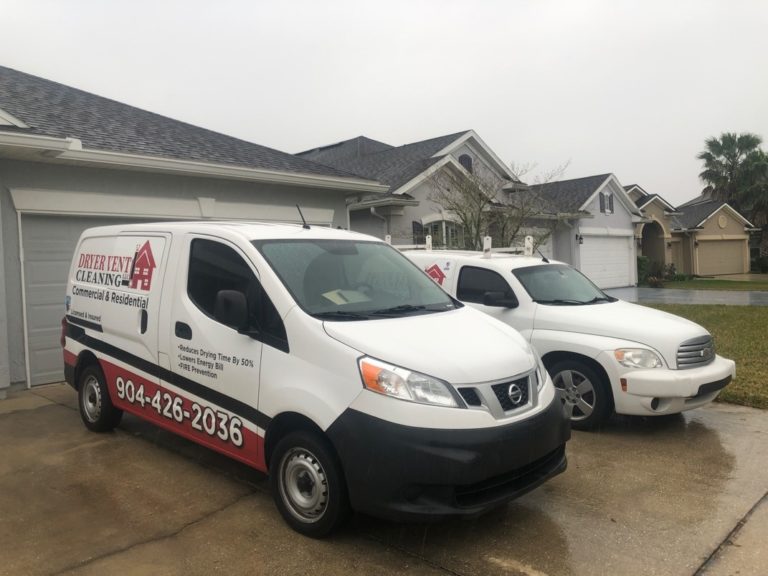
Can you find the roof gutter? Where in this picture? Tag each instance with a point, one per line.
(71, 149)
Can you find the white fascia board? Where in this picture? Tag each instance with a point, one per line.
(71, 203)
(733, 211)
(8, 119)
(618, 191)
(605, 231)
(71, 149)
(472, 135)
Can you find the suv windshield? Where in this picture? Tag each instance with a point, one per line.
(352, 280)
(559, 285)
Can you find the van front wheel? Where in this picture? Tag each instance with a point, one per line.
(308, 485)
(585, 393)
(96, 409)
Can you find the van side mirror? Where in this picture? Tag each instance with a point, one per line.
(500, 300)
(231, 309)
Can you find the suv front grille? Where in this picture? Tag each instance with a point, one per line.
(696, 352)
(512, 395)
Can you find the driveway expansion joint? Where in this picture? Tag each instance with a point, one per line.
(161, 537)
(728, 540)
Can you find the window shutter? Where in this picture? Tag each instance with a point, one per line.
(610, 203)
(602, 202)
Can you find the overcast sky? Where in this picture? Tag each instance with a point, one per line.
(622, 86)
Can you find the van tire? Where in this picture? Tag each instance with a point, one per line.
(585, 391)
(308, 484)
(96, 408)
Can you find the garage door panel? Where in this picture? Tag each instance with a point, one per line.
(607, 260)
(721, 257)
(49, 242)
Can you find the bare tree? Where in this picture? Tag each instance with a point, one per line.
(484, 204)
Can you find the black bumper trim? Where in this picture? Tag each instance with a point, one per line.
(713, 386)
(408, 473)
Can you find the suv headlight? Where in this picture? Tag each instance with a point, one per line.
(405, 384)
(638, 358)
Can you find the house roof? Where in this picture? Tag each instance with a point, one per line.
(569, 195)
(694, 215)
(51, 109)
(390, 165)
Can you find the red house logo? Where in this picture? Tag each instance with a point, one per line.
(436, 274)
(143, 268)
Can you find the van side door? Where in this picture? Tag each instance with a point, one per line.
(215, 359)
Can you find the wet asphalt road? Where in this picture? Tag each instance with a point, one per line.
(644, 295)
(676, 495)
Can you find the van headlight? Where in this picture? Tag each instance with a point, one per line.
(638, 358)
(405, 384)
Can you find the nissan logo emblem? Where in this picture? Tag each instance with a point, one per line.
(515, 394)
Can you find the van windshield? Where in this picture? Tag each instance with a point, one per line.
(352, 280)
(558, 284)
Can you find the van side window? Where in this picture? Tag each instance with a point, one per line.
(474, 282)
(214, 266)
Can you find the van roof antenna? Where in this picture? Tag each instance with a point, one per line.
(304, 222)
(543, 258)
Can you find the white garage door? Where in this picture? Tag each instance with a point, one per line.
(49, 242)
(607, 260)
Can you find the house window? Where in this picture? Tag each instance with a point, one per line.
(466, 161)
(606, 203)
(445, 234)
(418, 232)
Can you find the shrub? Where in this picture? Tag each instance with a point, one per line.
(655, 282)
(642, 269)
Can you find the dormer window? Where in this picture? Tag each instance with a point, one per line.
(466, 161)
(606, 203)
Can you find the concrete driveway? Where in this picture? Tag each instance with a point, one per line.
(679, 495)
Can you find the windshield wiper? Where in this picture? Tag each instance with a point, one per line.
(402, 309)
(341, 315)
(597, 299)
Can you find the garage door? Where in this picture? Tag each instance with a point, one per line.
(49, 242)
(607, 260)
(721, 257)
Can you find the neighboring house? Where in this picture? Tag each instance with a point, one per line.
(591, 220)
(702, 237)
(597, 233)
(406, 211)
(71, 160)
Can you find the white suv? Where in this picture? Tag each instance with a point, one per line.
(603, 354)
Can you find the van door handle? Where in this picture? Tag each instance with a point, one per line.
(144, 320)
(183, 331)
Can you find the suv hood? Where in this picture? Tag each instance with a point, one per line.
(459, 346)
(656, 329)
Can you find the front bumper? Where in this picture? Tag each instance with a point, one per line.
(662, 391)
(407, 473)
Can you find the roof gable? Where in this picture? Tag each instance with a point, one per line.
(51, 109)
(695, 215)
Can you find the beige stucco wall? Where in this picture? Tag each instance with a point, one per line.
(723, 245)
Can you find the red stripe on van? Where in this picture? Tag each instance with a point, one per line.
(70, 359)
(200, 422)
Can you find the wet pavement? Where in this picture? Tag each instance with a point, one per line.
(668, 496)
(645, 295)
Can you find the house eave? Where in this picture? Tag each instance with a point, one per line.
(71, 150)
(382, 202)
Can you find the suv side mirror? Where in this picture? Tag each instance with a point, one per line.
(231, 309)
(500, 300)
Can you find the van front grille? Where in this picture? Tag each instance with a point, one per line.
(696, 352)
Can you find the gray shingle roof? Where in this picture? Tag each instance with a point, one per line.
(53, 109)
(692, 214)
(389, 165)
(569, 195)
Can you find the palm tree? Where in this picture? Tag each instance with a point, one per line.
(733, 164)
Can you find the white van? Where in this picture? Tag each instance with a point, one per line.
(603, 354)
(319, 355)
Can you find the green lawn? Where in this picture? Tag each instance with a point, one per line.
(740, 334)
(716, 284)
